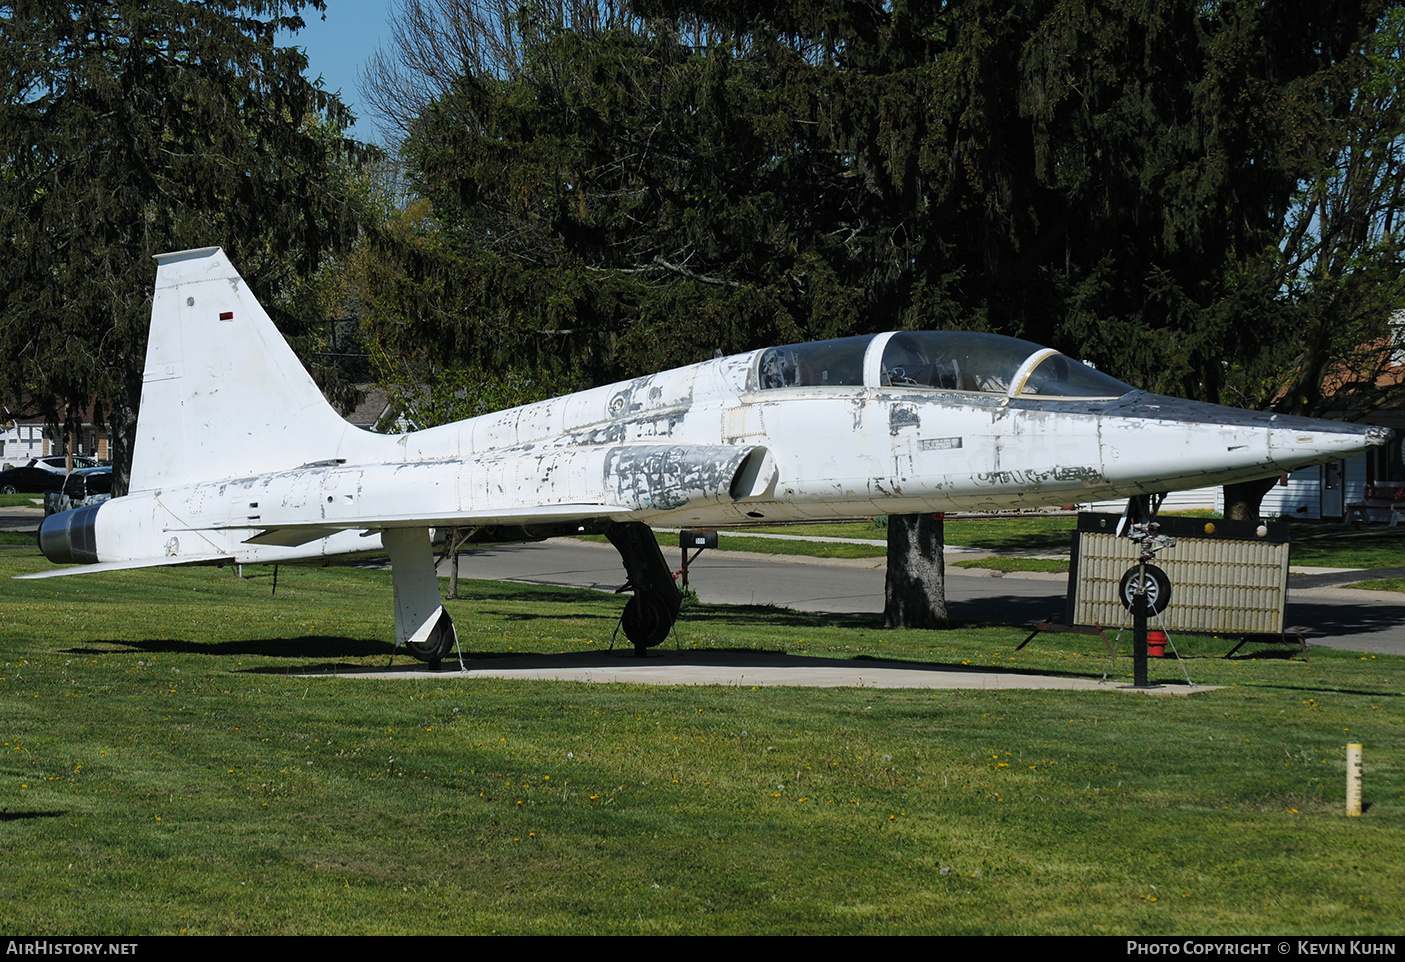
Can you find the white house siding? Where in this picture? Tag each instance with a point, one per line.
(19, 443)
(1302, 498)
(1197, 499)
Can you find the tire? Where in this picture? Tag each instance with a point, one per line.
(1157, 589)
(646, 620)
(440, 643)
(9, 489)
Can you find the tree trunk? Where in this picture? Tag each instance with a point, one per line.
(1241, 500)
(915, 587)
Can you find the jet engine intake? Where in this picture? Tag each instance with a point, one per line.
(756, 476)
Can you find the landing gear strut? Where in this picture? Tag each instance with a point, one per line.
(421, 623)
(650, 614)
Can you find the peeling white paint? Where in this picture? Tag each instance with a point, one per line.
(240, 458)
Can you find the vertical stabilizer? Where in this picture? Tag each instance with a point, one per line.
(222, 395)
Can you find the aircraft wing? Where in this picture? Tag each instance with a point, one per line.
(514, 487)
(293, 535)
(328, 510)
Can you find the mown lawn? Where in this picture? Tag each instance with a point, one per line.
(166, 768)
(1035, 534)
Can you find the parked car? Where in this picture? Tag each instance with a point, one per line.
(41, 474)
(58, 463)
(83, 487)
(29, 480)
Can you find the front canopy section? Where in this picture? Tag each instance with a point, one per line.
(937, 360)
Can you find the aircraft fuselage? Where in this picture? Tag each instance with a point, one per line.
(705, 445)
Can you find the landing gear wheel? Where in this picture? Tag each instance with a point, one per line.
(1157, 589)
(646, 621)
(431, 652)
(438, 645)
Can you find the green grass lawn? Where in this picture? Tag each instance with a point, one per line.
(1330, 545)
(1054, 565)
(1380, 584)
(21, 500)
(165, 769)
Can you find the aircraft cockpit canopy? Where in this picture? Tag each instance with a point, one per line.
(942, 360)
(815, 364)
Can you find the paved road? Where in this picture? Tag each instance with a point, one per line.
(20, 518)
(1335, 617)
(1349, 619)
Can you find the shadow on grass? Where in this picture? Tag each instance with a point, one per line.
(306, 646)
(772, 616)
(1266, 654)
(510, 591)
(609, 617)
(1042, 542)
(8, 816)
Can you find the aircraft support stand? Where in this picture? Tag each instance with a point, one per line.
(1145, 589)
(650, 614)
(1139, 676)
(421, 623)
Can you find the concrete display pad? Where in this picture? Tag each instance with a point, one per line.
(745, 670)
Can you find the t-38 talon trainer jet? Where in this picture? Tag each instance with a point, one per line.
(240, 459)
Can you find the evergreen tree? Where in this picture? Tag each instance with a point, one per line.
(1105, 178)
(1111, 178)
(129, 129)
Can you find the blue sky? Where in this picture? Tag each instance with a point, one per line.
(338, 45)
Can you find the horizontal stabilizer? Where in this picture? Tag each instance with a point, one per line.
(93, 569)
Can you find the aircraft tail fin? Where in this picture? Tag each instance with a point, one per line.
(222, 393)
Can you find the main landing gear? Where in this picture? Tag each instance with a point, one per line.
(650, 614)
(421, 623)
(427, 632)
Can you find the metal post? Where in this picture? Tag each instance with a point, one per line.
(1139, 609)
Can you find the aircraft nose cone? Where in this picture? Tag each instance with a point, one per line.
(1170, 440)
(1304, 441)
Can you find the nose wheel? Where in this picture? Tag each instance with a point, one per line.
(1153, 591)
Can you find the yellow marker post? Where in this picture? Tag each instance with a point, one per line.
(1353, 779)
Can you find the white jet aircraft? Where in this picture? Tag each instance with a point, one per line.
(240, 460)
